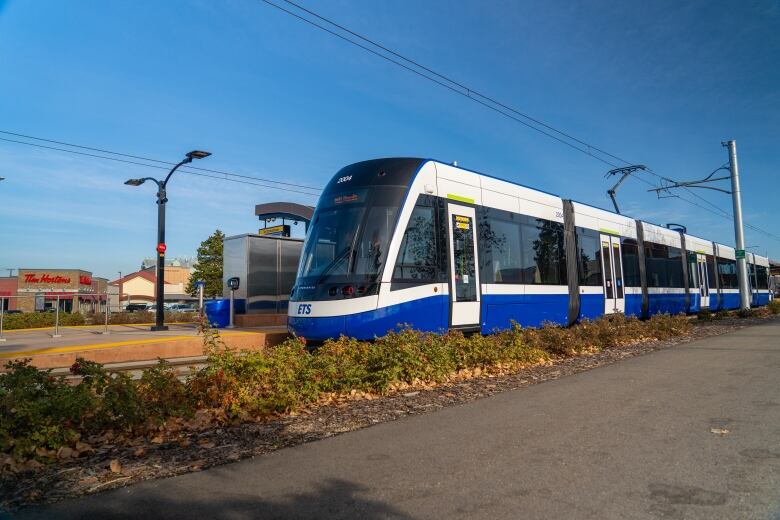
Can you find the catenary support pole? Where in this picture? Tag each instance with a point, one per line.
(739, 230)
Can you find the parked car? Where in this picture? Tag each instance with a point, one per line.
(12, 311)
(132, 307)
(181, 307)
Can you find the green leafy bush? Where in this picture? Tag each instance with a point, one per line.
(774, 307)
(746, 313)
(33, 320)
(40, 411)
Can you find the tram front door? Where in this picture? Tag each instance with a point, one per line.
(464, 277)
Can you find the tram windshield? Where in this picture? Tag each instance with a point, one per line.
(349, 236)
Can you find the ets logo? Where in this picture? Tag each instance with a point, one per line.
(304, 308)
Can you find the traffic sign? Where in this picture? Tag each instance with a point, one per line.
(739, 254)
(200, 283)
(161, 248)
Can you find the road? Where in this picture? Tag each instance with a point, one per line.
(687, 432)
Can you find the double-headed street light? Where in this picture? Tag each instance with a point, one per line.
(161, 200)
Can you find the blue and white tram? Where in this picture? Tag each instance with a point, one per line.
(437, 247)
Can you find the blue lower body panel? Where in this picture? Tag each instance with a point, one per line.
(729, 301)
(591, 306)
(633, 305)
(671, 303)
(427, 314)
(695, 303)
(760, 299)
(528, 310)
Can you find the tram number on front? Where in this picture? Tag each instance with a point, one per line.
(304, 308)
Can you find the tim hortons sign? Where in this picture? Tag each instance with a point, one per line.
(47, 278)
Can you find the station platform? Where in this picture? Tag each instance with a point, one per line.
(123, 343)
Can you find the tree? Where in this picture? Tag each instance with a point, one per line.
(209, 266)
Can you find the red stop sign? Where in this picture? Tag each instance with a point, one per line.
(161, 248)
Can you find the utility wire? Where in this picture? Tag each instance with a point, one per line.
(226, 176)
(486, 101)
(267, 182)
(448, 84)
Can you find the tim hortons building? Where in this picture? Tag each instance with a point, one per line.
(41, 289)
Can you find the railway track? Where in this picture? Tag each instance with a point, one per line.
(182, 366)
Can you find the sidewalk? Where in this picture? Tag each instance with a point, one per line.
(123, 343)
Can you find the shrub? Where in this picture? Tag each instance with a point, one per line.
(341, 365)
(256, 382)
(32, 320)
(722, 314)
(746, 313)
(774, 306)
(38, 410)
(117, 404)
(705, 315)
(162, 393)
(665, 326)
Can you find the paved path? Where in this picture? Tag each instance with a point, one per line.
(41, 339)
(629, 440)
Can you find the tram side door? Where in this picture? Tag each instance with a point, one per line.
(464, 269)
(612, 267)
(704, 281)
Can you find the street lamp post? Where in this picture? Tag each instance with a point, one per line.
(161, 200)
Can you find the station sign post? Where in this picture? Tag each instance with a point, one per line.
(233, 284)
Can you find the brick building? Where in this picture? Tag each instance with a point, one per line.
(76, 290)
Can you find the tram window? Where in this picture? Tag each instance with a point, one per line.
(752, 275)
(631, 276)
(520, 249)
(589, 257)
(674, 268)
(500, 248)
(328, 246)
(693, 270)
(542, 252)
(370, 252)
(763, 277)
(727, 273)
(711, 272)
(416, 260)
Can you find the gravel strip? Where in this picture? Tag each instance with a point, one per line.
(143, 459)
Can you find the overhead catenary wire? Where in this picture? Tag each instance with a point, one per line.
(472, 94)
(256, 181)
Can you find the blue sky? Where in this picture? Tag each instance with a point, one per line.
(660, 83)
